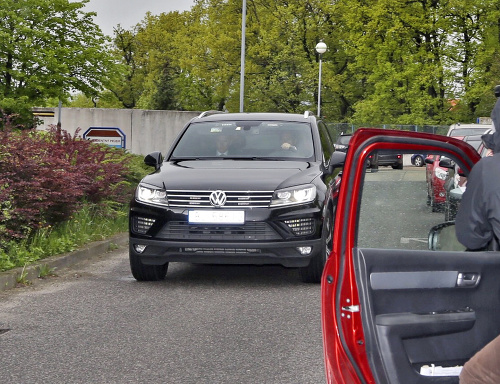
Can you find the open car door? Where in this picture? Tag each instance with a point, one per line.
(402, 301)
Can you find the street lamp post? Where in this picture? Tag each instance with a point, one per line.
(242, 71)
(320, 48)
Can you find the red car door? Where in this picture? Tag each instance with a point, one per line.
(402, 301)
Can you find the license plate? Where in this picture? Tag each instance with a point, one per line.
(216, 217)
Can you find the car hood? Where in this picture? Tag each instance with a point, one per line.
(226, 174)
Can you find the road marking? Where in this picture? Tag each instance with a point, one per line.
(406, 240)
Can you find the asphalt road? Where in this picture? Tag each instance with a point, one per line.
(203, 324)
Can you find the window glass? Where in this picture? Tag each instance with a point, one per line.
(399, 207)
(246, 139)
(326, 140)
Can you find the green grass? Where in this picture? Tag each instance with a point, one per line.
(88, 225)
(45, 271)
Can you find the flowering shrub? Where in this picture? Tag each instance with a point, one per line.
(46, 176)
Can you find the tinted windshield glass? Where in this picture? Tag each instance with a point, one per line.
(246, 139)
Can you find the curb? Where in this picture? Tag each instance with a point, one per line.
(9, 279)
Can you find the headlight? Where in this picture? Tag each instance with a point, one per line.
(441, 173)
(296, 195)
(151, 195)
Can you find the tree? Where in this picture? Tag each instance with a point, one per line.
(49, 48)
(129, 85)
(476, 55)
(388, 61)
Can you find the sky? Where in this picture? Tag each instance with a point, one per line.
(128, 13)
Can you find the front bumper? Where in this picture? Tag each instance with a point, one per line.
(268, 236)
(285, 253)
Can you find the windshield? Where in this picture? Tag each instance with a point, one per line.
(466, 131)
(475, 142)
(245, 139)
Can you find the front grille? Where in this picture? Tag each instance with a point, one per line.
(222, 251)
(301, 227)
(181, 230)
(235, 199)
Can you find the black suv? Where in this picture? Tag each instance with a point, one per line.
(241, 188)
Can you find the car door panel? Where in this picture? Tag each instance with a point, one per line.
(392, 304)
(431, 320)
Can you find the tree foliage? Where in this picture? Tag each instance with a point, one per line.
(388, 61)
(49, 48)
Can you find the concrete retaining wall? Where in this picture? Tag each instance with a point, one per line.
(145, 131)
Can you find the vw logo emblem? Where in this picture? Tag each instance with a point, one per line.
(218, 198)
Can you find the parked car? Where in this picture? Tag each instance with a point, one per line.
(342, 142)
(417, 159)
(402, 301)
(456, 181)
(268, 199)
(394, 160)
(436, 177)
(462, 130)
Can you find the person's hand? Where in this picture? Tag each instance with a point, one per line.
(288, 147)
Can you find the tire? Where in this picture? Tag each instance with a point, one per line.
(418, 161)
(399, 166)
(142, 272)
(312, 273)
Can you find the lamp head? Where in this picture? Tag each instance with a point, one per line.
(321, 47)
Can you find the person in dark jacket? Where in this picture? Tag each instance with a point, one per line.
(478, 219)
(477, 227)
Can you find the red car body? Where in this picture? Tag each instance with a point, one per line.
(352, 347)
(436, 177)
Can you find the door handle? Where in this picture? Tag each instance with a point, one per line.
(468, 279)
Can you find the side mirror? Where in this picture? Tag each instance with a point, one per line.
(429, 160)
(442, 238)
(446, 163)
(337, 160)
(154, 159)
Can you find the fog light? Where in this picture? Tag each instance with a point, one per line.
(304, 250)
(139, 248)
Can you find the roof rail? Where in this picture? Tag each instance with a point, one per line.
(307, 114)
(208, 113)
